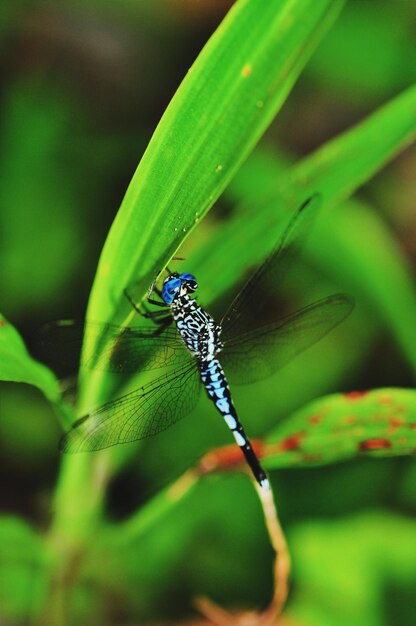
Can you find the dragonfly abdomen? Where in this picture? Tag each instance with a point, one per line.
(216, 385)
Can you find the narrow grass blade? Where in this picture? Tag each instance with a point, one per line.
(336, 170)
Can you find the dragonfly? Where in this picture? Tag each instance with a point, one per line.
(198, 352)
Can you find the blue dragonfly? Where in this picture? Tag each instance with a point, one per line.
(193, 348)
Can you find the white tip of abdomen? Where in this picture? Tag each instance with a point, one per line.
(264, 484)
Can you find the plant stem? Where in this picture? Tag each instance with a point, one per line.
(159, 506)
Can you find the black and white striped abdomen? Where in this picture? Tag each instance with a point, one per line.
(216, 384)
(201, 336)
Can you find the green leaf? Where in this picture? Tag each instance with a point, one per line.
(223, 106)
(376, 273)
(380, 423)
(23, 563)
(338, 250)
(17, 365)
(360, 561)
(345, 163)
(335, 170)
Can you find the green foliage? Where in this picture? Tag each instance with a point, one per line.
(377, 272)
(244, 73)
(35, 125)
(337, 169)
(23, 570)
(374, 553)
(377, 54)
(340, 427)
(17, 365)
(116, 546)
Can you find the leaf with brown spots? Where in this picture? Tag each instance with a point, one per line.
(381, 422)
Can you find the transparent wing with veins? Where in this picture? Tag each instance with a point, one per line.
(139, 414)
(253, 351)
(258, 353)
(257, 297)
(125, 350)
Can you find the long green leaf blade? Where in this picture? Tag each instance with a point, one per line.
(335, 170)
(221, 109)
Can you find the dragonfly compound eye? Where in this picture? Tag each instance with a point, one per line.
(171, 289)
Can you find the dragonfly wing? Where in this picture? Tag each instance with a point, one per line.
(136, 415)
(259, 353)
(123, 349)
(257, 295)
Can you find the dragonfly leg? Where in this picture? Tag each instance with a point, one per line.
(159, 317)
(162, 324)
(146, 313)
(156, 316)
(132, 302)
(154, 289)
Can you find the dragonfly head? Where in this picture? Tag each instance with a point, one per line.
(178, 284)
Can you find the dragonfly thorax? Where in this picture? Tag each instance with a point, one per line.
(200, 333)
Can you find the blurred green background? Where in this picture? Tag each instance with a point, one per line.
(83, 85)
